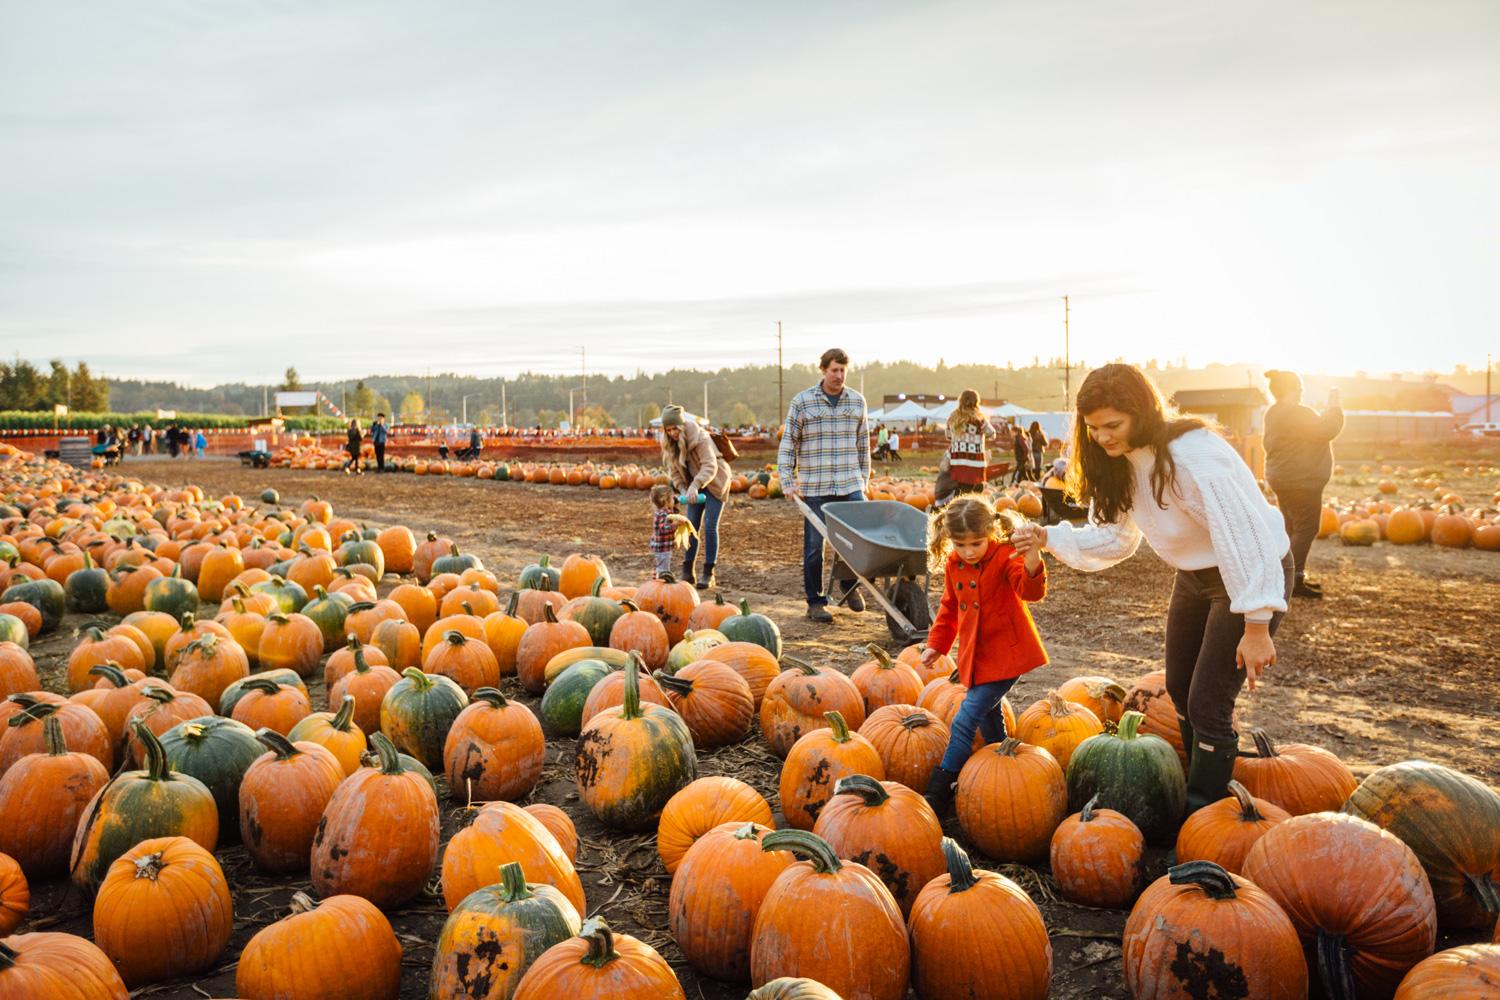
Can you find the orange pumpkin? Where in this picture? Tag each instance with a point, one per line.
(883, 681)
(1224, 831)
(342, 946)
(704, 805)
(335, 732)
(1057, 726)
(1295, 776)
(887, 827)
(713, 700)
(818, 760)
(58, 965)
(910, 740)
(1011, 797)
(579, 573)
(642, 633)
(282, 797)
(1098, 857)
(494, 750)
(502, 832)
(15, 896)
(717, 889)
(669, 600)
(469, 663)
(752, 662)
(1100, 695)
(797, 699)
(600, 963)
(41, 799)
(269, 703)
(540, 643)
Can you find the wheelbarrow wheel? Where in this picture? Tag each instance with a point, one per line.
(911, 600)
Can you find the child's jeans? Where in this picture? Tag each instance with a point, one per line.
(980, 710)
(663, 562)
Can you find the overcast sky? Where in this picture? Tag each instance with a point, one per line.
(210, 190)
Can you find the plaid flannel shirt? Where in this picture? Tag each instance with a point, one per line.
(825, 450)
(661, 531)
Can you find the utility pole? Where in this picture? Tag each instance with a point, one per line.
(429, 395)
(504, 413)
(1489, 367)
(265, 399)
(1067, 361)
(780, 378)
(583, 363)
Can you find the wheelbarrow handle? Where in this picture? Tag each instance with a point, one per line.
(807, 512)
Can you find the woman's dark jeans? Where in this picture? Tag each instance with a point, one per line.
(1202, 638)
(705, 519)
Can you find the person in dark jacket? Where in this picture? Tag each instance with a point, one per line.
(1038, 448)
(355, 440)
(377, 439)
(1299, 462)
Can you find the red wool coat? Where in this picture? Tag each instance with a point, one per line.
(984, 608)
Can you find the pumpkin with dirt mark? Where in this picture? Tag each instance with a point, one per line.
(815, 764)
(378, 837)
(671, 601)
(495, 933)
(281, 801)
(494, 750)
(41, 800)
(888, 828)
(632, 759)
(1098, 857)
(1202, 931)
(798, 699)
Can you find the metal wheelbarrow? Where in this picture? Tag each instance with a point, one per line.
(884, 544)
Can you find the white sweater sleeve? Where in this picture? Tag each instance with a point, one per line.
(1218, 491)
(1093, 547)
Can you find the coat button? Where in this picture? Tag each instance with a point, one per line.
(962, 606)
(974, 584)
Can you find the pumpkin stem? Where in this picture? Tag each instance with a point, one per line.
(454, 637)
(265, 685)
(510, 607)
(805, 845)
(790, 662)
(390, 758)
(680, 686)
(283, 748)
(469, 608)
(112, 671)
(361, 665)
(1086, 815)
(867, 788)
(1248, 812)
(156, 757)
(960, 872)
(8, 956)
(1333, 966)
(1484, 889)
(1057, 705)
(302, 903)
(158, 693)
(544, 561)
(1008, 746)
(629, 605)
(550, 613)
(149, 866)
(342, 718)
(632, 705)
(1206, 875)
(744, 605)
(880, 656)
(418, 679)
(52, 736)
(513, 883)
(1263, 745)
(490, 696)
(1129, 723)
(667, 578)
(601, 943)
(838, 725)
(746, 832)
(916, 720)
(953, 678)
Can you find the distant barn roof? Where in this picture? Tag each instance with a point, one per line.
(1193, 399)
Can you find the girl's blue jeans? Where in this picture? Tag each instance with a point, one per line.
(705, 519)
(980, 710)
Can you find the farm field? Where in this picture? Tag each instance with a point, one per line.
(1395, 663)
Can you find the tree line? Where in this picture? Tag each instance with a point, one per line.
(24, 386)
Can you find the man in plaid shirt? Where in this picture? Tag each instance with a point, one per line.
(825, 457)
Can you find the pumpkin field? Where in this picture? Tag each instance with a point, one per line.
(499, 725)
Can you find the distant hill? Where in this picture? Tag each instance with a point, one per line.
(745, 395)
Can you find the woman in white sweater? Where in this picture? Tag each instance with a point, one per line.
(1185, 490)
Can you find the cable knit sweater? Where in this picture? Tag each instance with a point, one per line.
(1217, 516)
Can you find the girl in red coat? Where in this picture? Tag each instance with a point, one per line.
(984, 607)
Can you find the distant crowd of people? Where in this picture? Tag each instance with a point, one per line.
(175, 440)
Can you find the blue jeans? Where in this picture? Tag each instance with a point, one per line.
(980, 710)
(705, 518)
(812, 553)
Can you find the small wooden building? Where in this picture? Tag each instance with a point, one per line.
(1240, 414)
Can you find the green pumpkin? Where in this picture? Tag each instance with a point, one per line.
(540, 576)
(217, 752)
(172, 595)
(8, 552)
(46, 596)
(270, 496)
(1452, 824)
(136, 806)
(362, 551)
(285, 676)
(756, 628)
(1137, 775)
(495, 933)
(13, 629)
(328, 612)
(598, 615)
(695, 642)
(562, 705)
(289, 596)
(86, 588)
(455, 562)
(629, 763)
(502, 473)
(417, 713)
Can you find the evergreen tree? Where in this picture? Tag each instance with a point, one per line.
(59, 385)
(90, 395)
(291, 382)
(20, 386)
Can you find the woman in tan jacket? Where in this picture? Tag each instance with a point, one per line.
(701, 478)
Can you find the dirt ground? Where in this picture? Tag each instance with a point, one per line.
(1397, 662)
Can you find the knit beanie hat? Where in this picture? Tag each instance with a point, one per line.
(672, 416)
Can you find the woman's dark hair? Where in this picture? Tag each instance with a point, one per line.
(1109, 483)
(1035, 428)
